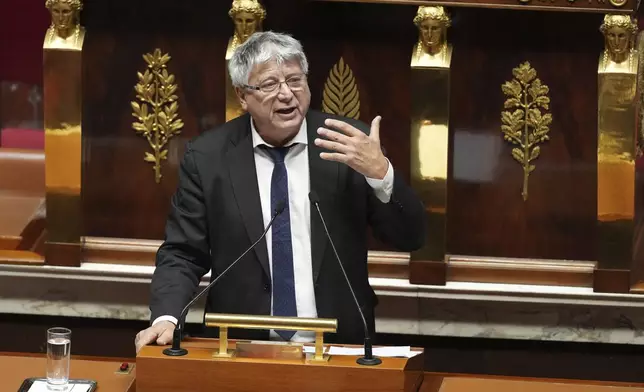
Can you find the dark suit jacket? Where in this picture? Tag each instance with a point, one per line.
(216, 215)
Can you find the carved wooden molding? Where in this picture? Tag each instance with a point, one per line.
(603, 6)
(521, 271)
(21, 257)
(386, 265)
(142, 252)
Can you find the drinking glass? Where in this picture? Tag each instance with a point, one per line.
(59, 342)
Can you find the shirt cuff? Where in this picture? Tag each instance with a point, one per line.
(171, 319)
(383, 188)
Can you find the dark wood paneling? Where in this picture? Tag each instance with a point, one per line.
(375, 41)
(612, 281)
(120, 196)
(486, 213)
(637, 266)
(63, 254)
(428, 272)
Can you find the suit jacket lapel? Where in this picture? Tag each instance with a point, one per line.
(324, 181)
(243, 176)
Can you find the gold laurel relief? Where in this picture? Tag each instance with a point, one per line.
(340, 95)
(156, 109)
(617, 3)
(527, 125)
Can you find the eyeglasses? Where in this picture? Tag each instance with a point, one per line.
(295, 83)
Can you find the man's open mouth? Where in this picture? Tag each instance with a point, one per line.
(285, 110)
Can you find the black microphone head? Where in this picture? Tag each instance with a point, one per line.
(313, 196)
(280, 207)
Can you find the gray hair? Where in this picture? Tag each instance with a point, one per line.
(262, 47)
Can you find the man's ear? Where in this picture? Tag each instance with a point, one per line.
(241, 95)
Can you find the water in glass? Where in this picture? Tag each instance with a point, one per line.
(58, 357)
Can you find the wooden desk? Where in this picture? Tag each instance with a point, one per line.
(480, 383)
(199, 371)
(18, 366)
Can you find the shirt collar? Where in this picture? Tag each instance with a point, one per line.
(300, 138)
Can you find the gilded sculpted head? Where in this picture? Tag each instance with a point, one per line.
(432, 23)
(619, 35)
(64, 15)
(247, 15)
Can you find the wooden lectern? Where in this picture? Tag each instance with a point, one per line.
(202, 370)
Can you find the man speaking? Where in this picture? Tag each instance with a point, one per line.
(232, 180)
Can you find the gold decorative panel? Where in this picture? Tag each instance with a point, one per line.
(156, 109)
(341, 95)
(527, 122)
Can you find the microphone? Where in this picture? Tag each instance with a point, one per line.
(368, 359)
(176, 349)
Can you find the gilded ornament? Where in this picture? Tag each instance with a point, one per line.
(156, 111)
(618, 3)
(640, 89)
(432, 49)
(619, 53)
(247, 16)
(340, 95)
(65, 31)
(526, 126)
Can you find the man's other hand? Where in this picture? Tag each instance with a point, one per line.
(352, 147)
(161, 333)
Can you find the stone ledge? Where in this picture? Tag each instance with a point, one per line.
(459, 309)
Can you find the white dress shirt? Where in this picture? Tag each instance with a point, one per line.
(297, 167)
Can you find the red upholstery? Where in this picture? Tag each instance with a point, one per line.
(23, 24)
(27, 139)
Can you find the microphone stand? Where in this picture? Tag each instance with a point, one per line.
(368, 359)
(176, 349)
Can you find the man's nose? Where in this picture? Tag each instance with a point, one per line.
(284, 91)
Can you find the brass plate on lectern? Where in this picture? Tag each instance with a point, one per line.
(226, 321)
(270, 350)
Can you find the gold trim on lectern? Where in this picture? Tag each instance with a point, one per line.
(225, 321)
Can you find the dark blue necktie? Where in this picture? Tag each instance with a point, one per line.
(284, 303)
